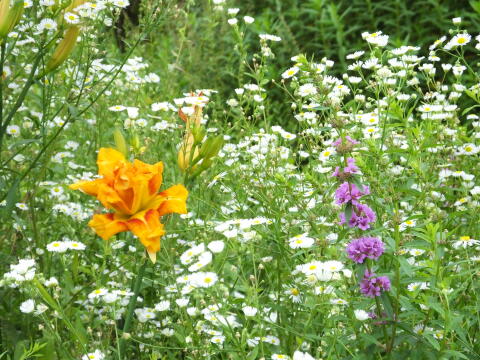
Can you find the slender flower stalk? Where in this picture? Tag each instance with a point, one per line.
(361, 216)
(130, 309)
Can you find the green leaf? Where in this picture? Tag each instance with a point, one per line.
(19, 350)
(348, 212)
(405, 266)
(456, 354)
(24, 142)
(432, 341)
(360, 270)
(387, 305)
(252, 355)
(370, 339)
(48, 352)
(12, 199)
(73, 111)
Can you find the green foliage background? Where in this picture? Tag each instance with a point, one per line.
(194, 43)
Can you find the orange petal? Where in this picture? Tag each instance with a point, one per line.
(111, 200)
(109, 160)
(146, 225)
(173, 200)
(88, 187)
(106, 225)
(144, 182)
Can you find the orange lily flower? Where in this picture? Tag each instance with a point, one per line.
(131, 191)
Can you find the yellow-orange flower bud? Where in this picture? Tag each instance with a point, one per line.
(9, 16)
(120, 142)
(185, 156)
(64, 48)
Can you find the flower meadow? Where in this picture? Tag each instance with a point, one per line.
(301, 211)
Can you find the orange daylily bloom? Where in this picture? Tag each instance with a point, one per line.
(131, 191)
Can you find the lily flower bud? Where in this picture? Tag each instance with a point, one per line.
(185, 156)
(135, 142)
(198, 134)
(120, 142)
(212, 147)
(64, 48)
(9, 16)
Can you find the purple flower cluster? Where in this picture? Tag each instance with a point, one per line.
(348, 140)
(365, 247)
(348, 192)
(372, 285)
(348, 170)
(361, 217)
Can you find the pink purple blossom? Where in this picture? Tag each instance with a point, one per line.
(361, 217)
(348, 192)
(348, 170)
(372, 285)
(348, 139)
(365, 247)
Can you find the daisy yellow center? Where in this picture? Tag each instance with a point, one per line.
(464, 238)
(208, 280)
(468, 148)
(312, 267)
(294, 291)
(462, 40)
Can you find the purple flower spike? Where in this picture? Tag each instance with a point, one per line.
(372, 286)
(365, 247)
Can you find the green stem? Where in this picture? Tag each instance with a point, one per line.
(131, 307)
(2, 62)
(379, 312)
(21, 97)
